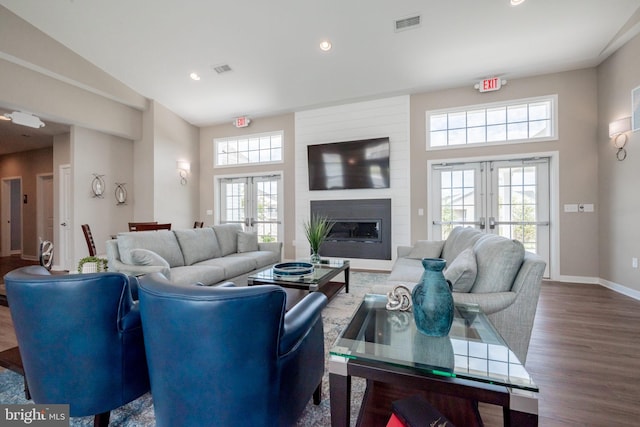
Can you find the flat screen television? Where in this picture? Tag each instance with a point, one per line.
(348, 165)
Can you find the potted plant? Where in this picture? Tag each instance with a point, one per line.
(317, 229)
(92, 264)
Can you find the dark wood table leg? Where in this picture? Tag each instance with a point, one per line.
(340, 399)
(346, 280)
(518, 419)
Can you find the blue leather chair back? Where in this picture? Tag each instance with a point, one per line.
(80, 338)
(215, 354)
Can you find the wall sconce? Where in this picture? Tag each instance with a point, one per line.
(618, 133)
(184, 168)
(97, 185)
(120, 193)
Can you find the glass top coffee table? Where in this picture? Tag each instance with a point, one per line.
(473, 361)
(321, 279)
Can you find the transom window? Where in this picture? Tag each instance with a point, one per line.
(248, 149)
(523, 120)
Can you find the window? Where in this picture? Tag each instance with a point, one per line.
(249, 149)
(524, 120)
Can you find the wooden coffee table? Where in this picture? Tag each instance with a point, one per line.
(470, 365)
(321, 280)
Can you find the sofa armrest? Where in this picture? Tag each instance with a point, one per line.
(299, 320)
(403, 251)
(270, 246)
(134, 270)
(489, 302)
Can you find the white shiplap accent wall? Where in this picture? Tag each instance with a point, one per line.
(363, 120)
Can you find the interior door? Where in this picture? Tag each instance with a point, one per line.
(45, 207)
(508, 198)
(11, 216)
(65, 246)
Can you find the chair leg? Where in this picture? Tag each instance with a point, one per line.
(101, 420)
(27, 394)
(317, 394)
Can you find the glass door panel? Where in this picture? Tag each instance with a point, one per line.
(255, 202)
(508, 198)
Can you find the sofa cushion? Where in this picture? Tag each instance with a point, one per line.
(162, 242)
(426, 249)
(193, 274)
(247, 241)
(262, 258)
(198, 244)
(227, 235)
(462, 271)
(460, 239)
(499, 260)
(233, 265)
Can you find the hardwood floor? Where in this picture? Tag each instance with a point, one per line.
(584, 355)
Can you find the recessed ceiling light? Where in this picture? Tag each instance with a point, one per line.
(194, 76)
(325, 45)
(516, 2)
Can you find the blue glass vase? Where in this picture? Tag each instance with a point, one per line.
(432, 300)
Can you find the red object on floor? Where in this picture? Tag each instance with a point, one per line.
(395, 422)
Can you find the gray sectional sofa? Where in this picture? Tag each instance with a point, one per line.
(208, 255)
(492, 271)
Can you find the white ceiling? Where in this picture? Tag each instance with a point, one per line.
(277, 66)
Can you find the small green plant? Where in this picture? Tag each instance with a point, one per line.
(101, 263)
(317, 229)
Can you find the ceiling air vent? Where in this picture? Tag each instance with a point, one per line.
(222, 68)
(407, 23)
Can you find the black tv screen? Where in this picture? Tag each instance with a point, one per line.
(349, 164)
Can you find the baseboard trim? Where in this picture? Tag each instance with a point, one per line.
(616, 287)
(621, 289)
(580, 279)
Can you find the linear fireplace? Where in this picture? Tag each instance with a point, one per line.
(362, 228)
(355, 230)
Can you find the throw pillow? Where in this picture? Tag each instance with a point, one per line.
(426, 249)
(462, 271)
(499, 260)
(247, 241)
(147, 257)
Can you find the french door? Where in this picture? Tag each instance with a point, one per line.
(255, 202)
(508, 198)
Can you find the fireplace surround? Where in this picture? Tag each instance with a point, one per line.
(362, 228)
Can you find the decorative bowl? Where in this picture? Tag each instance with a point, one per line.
(293, 269)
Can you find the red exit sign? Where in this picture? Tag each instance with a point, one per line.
(241, 122)
(490, 84)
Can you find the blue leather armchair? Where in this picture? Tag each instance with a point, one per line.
(80, 339)
(230, 356)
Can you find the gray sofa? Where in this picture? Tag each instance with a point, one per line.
(209, 255)
(492, 271)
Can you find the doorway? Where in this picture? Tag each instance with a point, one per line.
(510, 198)
(11, 216)
(45, 206)
(254, 201)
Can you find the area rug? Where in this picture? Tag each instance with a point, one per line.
(335, 316)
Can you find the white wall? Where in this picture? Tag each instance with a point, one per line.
(111, 156)
(619, 232)
(363, 120)
(174, 139)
